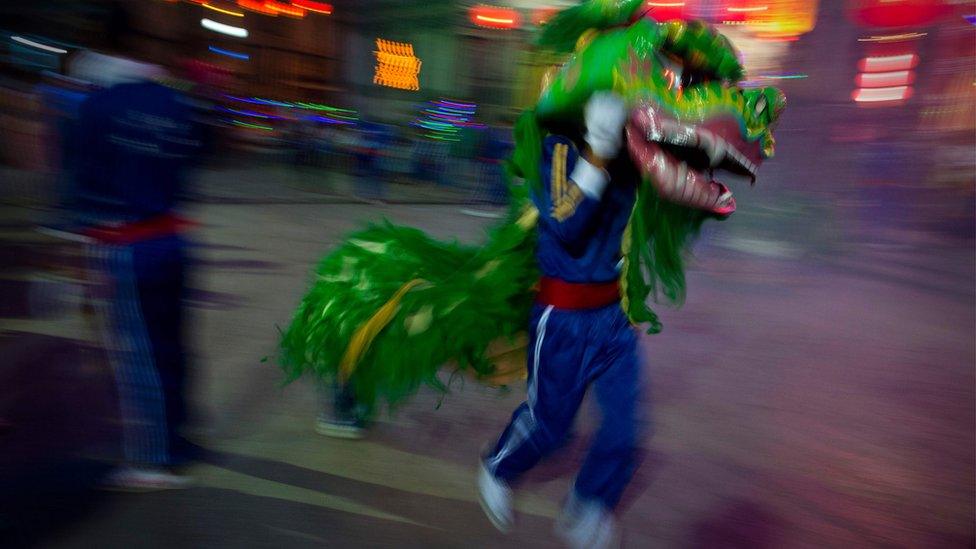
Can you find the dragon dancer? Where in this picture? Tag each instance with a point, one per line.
(615, 173)
(579, 336)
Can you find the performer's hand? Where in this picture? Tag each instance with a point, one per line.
(605, 115)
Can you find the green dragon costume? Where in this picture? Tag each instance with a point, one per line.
(391, 306)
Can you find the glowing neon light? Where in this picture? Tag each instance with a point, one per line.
(885, 79)
(37, 45)
(222, 10)
(396, 65)
(749, 9)
(228, 53)
(229, 30)
(875, 95)
(889, 63)
(311, 5)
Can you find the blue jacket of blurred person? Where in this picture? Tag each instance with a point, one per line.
(135, 143)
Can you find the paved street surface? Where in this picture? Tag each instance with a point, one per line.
(808, 394)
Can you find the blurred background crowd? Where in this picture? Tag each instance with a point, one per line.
(308, 117)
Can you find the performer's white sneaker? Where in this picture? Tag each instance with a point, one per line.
(586, 525)
(495, 497)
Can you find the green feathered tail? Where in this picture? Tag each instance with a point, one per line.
(463, 298)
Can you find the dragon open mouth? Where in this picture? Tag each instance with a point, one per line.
(681, 158)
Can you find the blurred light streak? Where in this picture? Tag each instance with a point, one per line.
(222, 10)
(337, 112)
(252, 126)
(666, 4)
(748, 9)
(888, 63)
(885, 79)
(970, 18)
(494, 17)
(487, 19)
(37, 45)
(259, 101)
(330, 120)
(311, 5)
(229, 30)
(228, 53)
(249, 113)
(257, 6)
(781, 76)
(893, 37)
(285, 9)
(876, 95)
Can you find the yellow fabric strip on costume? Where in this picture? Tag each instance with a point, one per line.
(566, 196)
(368, 331)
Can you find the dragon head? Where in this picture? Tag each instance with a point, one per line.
(689, 118)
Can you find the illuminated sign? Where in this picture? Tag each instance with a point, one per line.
(396, 65)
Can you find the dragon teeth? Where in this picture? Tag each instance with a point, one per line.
(718, 151)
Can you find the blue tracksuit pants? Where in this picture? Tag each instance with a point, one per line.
(145, 284)
(570, 350)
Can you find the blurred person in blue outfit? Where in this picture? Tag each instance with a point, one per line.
(136, 138)
(62, 97)
(579, 336)
(369, 142)
(493, 150)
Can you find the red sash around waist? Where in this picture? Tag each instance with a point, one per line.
(574, 295)
(138, 231)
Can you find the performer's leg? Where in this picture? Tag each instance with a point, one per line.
(344, 420)
(557, 351)
(586, 519)
(161, 291)
(610, 461)
(139, 386)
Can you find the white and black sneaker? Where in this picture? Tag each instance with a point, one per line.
(346, 428)
(495, 497)
(586, 525)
